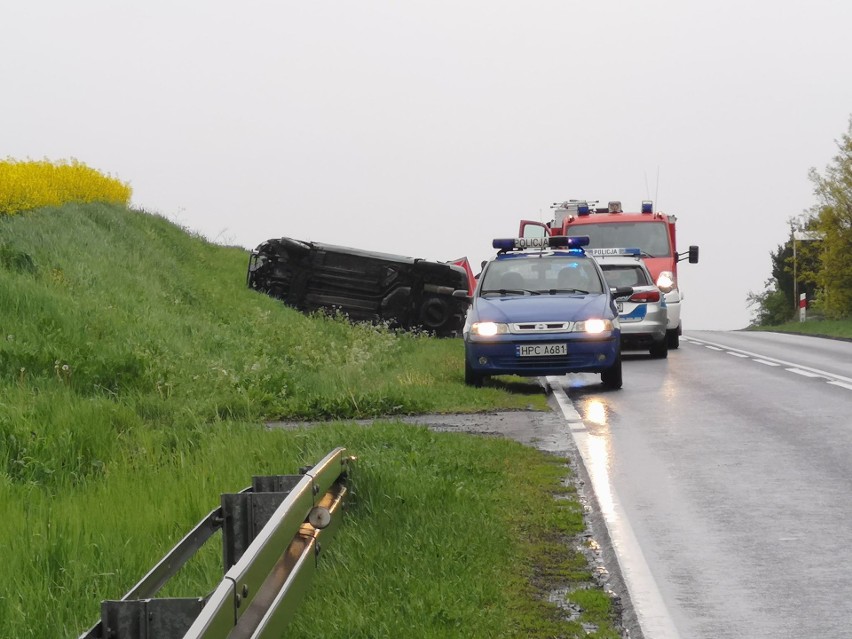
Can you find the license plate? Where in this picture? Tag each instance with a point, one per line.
(542, 350)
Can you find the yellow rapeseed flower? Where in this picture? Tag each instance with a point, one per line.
(26, 185)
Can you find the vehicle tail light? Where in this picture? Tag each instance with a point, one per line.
(645, 296)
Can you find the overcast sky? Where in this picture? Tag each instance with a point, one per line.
(428, 128)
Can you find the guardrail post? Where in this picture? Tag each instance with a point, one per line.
(270, 543)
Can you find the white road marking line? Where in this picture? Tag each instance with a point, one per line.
(841, 384)
(766, 362)
(737, 354)
(713, 348)
(793, 367)
(651, 611)
(801, 372)
(567, 406)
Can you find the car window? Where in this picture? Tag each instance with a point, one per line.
(625, 275)
(555, 273)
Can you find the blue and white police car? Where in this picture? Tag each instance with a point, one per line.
(545, 311)
(643, 314)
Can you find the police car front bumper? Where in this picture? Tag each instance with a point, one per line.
(560, 353)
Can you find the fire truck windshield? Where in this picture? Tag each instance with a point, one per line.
(651, 237)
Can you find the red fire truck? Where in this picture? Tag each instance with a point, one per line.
(650, 231)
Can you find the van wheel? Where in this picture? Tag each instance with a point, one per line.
(611, 377)
(434, 313)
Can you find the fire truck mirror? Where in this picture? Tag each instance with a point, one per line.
(693, 254)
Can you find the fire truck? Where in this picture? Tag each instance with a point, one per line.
(610, 228)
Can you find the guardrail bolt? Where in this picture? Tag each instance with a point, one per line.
(245, 590)
(315, 488)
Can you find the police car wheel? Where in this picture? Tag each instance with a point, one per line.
(660, 350)
(673, 338)
(611, 377)
(471, 377)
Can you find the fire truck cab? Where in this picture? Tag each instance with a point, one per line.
(654, 233)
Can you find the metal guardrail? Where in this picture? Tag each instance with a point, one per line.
(271, 534)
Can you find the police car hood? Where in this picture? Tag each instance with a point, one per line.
(542, 308)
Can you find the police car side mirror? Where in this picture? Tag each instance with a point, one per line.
(621, 291)
(461, 294)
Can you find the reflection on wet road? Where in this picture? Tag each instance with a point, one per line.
(593, 444)
(724, 483)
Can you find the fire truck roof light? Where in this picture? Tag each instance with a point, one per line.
(583, 208)
(647, 206)
(614, 206)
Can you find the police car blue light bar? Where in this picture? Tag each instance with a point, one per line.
(614, 251)
(557, 241)
(520, 243)
(504, 244)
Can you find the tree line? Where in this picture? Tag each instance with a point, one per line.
(816, 260)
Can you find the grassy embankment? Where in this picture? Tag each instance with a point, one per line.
(136, 371)
(821, 328)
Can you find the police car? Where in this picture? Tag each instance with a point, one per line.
(643, 314)
(545, 311)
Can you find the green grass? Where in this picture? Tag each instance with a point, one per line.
(136, 371)
(822, 328)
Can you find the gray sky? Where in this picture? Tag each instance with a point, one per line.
(429, 128)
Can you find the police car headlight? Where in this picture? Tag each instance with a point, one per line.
(593, 326)
(666, 282)
(488, 329)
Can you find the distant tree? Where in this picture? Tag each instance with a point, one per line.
(820, 268)
(771, 307)
(782, 272)
(778, 304)
(832, 219)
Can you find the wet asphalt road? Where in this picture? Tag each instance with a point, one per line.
(725, 475)
(720, 481)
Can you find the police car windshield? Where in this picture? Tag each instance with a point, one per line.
(651, 237)
(552, 274)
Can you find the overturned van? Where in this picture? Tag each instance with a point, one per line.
(405, 292)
